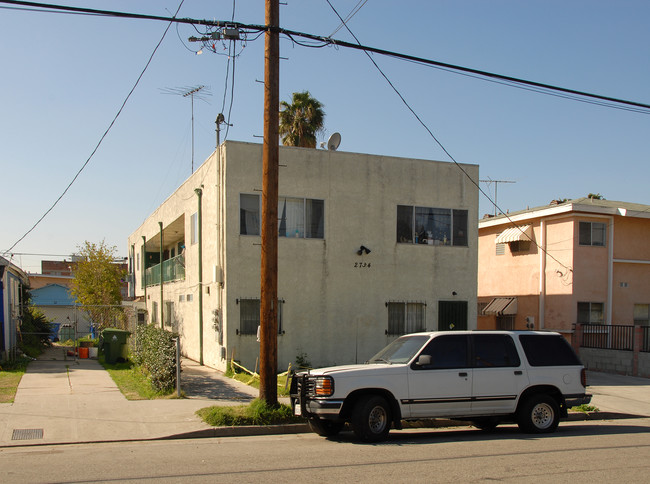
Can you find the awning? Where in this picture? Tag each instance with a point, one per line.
(501, 306)
(524, 232)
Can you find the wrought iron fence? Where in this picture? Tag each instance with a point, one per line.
(610, 337)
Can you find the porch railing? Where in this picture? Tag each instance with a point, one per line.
(172, 270)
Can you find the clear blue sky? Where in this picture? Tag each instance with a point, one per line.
(65, 76)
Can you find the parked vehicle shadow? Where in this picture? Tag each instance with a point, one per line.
(503, 432)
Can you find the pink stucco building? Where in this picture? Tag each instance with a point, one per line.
(584, 260)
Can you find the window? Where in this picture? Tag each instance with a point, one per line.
(431, 226)
(506, 322)
(548, 350)
(494, 351)
(181, 298)
(249, 316)
(404, 318)
(590, 312)
(169, 313)
(189, 298)
(520, 246)
(641, 315)
(447, 352)
(249, 214)
(154, 312)
(194, 230)
(501, 249)
(592, 233)
(301, 218)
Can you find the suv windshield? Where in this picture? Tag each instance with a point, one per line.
(401, 350)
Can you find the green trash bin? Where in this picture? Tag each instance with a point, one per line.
(114, 343)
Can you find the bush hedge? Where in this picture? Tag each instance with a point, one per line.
(155, 353)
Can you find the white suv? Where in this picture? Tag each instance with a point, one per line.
(487, 377)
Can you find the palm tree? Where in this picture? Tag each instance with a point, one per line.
(301, 120)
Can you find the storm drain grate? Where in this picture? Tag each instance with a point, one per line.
(27, 434)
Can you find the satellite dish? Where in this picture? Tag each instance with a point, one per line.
(333, 142)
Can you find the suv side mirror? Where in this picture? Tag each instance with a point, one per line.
(424, 360)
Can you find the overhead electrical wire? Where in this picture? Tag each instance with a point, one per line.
(474, 182)
(110, 126)
(571, 94)
(334, 42)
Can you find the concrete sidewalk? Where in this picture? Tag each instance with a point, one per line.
(64, 401)
(619, 394)
(76, 401)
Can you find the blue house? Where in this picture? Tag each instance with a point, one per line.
(12, 280)
(59, 307)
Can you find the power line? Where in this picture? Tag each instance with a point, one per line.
(329, 41)
(110, 126)
(474, 182)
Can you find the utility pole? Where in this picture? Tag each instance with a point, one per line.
(496, 186)
(270, 161)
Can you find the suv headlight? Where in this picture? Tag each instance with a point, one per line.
(324, 386)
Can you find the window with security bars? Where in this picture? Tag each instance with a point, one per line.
(249, 316)
(406, 317)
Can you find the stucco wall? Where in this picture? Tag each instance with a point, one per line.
(334, 306)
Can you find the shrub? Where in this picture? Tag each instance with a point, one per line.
(155, 353)
(257, 413)
(35, 329)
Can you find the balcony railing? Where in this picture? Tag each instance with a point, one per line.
(172, 270)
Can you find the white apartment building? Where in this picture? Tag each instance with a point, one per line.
(370, 247)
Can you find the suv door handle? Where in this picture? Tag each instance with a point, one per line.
(519, 372)
(462, 373)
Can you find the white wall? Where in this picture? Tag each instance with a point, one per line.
(333, 311)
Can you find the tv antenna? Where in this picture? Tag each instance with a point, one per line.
(496, 186)
(200, 92)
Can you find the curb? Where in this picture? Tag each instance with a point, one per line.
(301, 428)
(243, 431)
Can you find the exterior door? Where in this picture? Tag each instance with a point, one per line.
(452, 315)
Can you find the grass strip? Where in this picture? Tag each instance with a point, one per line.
(10, 375)
(256, 413)
(132, 382)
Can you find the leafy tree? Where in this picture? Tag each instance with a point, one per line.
(301, 120)
(97, 281)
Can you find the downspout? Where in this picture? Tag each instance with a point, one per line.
(199, 194)
(162, 321)
(542, 273)
(610, 271)
(132, 289)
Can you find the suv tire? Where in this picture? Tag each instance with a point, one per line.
(371, 418)
(538, 414)
(325, 428)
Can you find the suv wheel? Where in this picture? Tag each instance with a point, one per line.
(371, 418)
(539, 414)
(325, 428)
